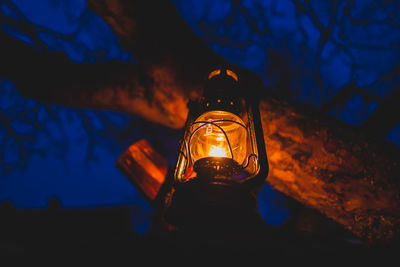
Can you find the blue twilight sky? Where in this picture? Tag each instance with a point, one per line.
(70, 153)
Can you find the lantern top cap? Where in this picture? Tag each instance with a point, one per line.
(223, 72)
(222, 91)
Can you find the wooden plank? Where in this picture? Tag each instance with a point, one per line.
(144, 167)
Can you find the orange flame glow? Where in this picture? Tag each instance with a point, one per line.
(216, 151)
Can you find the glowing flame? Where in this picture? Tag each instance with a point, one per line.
(216, 151)
(220, 137)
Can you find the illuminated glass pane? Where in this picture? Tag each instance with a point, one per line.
(218, 134)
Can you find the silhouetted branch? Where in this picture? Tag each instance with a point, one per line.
(249, 19)
(31, 29)
(345, 94)
(10, 131)
(325, 36)
(384, 118)
(363, 22)
(381, 121)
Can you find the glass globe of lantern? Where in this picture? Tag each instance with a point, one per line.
(223, 137)
(218, 134)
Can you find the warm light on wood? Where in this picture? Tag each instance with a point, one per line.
(144, 167)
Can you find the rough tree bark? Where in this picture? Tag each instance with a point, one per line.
(327, 165)
(319, 161)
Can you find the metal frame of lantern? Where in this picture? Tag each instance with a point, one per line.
(224, 94)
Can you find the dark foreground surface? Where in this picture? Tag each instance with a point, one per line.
(105, 235)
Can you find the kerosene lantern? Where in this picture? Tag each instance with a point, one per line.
(222, 161)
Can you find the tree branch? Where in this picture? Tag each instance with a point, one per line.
(325, 164)
(14, 135)
(325, 35)
(345, 94)
(112, 85)
(384, 118)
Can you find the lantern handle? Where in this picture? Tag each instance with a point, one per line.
(244, 166)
